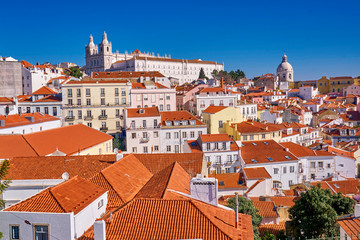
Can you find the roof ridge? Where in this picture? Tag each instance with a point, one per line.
(56, 198)
(207, 218)
(101, 172)
(22, 135)
(168, 180)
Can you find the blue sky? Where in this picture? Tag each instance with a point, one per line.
(321, 38)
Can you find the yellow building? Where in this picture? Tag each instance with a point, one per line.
(216, 116)
(95, 103)
(252, 131)
(335, 84)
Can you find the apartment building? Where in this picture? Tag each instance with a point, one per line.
(97, 104)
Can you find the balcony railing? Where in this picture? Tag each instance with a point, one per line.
(119, 116)
(69, 118)
(228, 162)
(102, 117)
(104, 129)
(144, 140)
(88, 118)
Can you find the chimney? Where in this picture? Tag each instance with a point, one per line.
(222, 82)
(357, 210)
(99, 230)
(204, 189)
(119, 155)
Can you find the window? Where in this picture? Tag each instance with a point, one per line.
(229, 158)
(251, 137)
(284, 170)
(88, 113)
(276, 184)
(328, 165)
(88, 102)
(168, 135)
(102, 101)
(116, 101)
(145, 97)
(161, 107)
(100, 203)
(41, 232)
(134, 149)
(156, 134)
(161, 97)
(78, 92)
(218, 159)
(184, 135)
(227, 170)
(263, 136)
(79, 102)
(312, 164)
(145, 149)
(138, 97)
(290, 182)
(192, 134)
(199, 133)
(176, 135)
(116, 92)
(37, 109)
(102, 92)
(15, 232)
(167, 96)
(69, 92)
(208, 146)
(88, 92)
(168, 148)
(144, 123)
(207, 159)
(156, 148)
(123, 92)
(218, 171)
(89, 124)
(236, 157)
(145, 135)
(103, 112)
(117, 124)
(79, 114)
(312, 176)
(321, 164)
(276, 171)
(46, 110)
(70, 102)
(123, 101)
(244, 138)
(133, 135)
(292, 169)
(220, 124)
(70, 113)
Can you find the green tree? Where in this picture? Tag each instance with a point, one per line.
(4, 183)
(240, 74)
(247, 207)
(116, 142)
(202, 74)
(74, 71)
(268, 236)
(315, 213)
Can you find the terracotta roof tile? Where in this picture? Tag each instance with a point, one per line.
(52, 167)
(96, 82)
(266, 209)
(346, 187)
(351, 226)
(6, 100)
(70, 196)
(214, 109)
(215, 137)
(69, 139)
(178, 116)
(143, 112)
(230, 180)
(15, 146)
(272, 228)
(265, 151)
(176, 60)
(16, 120)
(256, 173)
(44, 91)
(174, 219)
(192, 163)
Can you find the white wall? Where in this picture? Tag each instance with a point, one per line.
(345, 166)
(30, 128)
(60, 224)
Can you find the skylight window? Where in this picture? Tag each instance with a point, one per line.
(270, 159)
(287, 157)
(221, 183)
(253, 160)
(193, 144)
(337, 186)
(254, 144)
(266, 143)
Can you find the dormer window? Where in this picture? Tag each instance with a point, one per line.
(141, 111)
(352, 132)
(176, 123)
(168, 123)
(192, 122)
(184, 122)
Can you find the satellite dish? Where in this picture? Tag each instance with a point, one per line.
(65, 176)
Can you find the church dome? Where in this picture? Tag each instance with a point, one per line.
(284, 66)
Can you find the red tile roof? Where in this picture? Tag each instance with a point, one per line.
(69, 139)
(126, 74)
(215, 137)
(351, 226)
(70, 196)
(175, 60)
(254, 127)
(178, 116)
(266, 209)
(96, 81)
(192, 163)
(6, 100)
(16, 120)
(214, 109)
(173, 177)
(256, 173)
(50, 98)
(15, 146)
(230, 180)
(272, 228)
(346, 187)
(26, 64)
(44, 91)
(52, 167)
(265, 151)
(143, 112)
(123, 180)
(174, 219)
(143, 86)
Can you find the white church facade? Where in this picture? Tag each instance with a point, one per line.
(285, 74)
(101, 58)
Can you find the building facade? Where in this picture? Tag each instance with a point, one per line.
(10, 77)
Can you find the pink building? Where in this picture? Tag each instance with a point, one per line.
(150, 94)
(185, 93)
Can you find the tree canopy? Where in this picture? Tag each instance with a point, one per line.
(202, 74)
(74, 71)
(4, 183)
(247, 207)
(229, 77)
(315, 213)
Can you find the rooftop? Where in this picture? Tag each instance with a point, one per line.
(143, 112)
(126, 74)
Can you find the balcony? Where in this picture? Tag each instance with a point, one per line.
(118, 127)
(202, 105)
(228, 163)
(301, 170)
(120, 116)
(104, 129)
(144, 140)
(88, 118)
(69, 118)
(102, 117)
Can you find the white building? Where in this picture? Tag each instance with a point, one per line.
(101, 58)
(7, 106)
(213, 97)
(281, 164)
(36, 76)
(149, 131)
(221, 152)
(247, 109)
(65, 211)
(27, 123)
(308, 92)
(285, 72)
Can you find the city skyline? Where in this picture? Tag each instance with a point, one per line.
(320, 38)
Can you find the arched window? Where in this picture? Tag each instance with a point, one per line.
(290, 76)
(107, 49)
